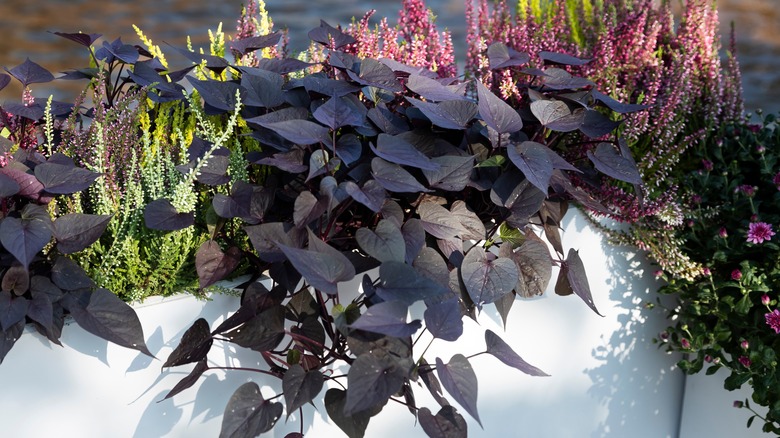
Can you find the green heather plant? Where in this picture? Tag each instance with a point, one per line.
(728, 317)
(41, 283)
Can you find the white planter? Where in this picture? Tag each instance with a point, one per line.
(607, 379)
(708, 409)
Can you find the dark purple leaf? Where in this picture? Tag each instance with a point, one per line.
(250, 44)
(371, 382)
(32, 112)
(266, 238)
(559, 79)
(414, 238)
(444, 320)
(68, 275)
(189, 380)
(562, 58)
(8, 186)
(504, 305)
(85, 39)
(460, 381)
(341, 111)
(322, 268)
(501, 350)
(193, 347)
(4, 80)
(387, 318)
(213, 265)
(394, 178)
(451, 114)
(387, 121)
(608, 160)
(16, 280)
(408, 69)
(533, 160)
(300, 387)
(376, 74)
(25, 237)
(401, 283)
(264, 88)
(447, 423)
(439, 222)
(29, 72)
(535, 265)
(577, 278)
(321, 163)
(501, 56)
(160, 214)
(399, 151)
(307, 208)
(213, 63)
(301, 132)
(42, 312)
(353, 425)
(384, 243)
(329, 36)
(12, 310)
(214, 172)
(548, 111)
(431, 264)
(596, 125)
(112, 319)
(349, 148)
(372, 195)
(76, 231)
(63, 179)
(568, 123)
(496, 113)
(287, 161)
(282, 66)
(453, 172)
(487, 278)
(247, 414)
(616, 106)
(261, 333)
(219, 94)
(123, 52)
(9, 337)
(562, 182)
(433, 90)
(469, 220)
(328, 87)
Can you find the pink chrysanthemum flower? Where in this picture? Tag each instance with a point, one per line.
(745, 361)
(759, 232)
(773, 320)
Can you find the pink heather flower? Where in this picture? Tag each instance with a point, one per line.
(773, 320)
(744, 345)
(685, 343)
(745, 361)
(736, 275)
(747, 190)
(765, 299)
(759, 232)
(722, 233)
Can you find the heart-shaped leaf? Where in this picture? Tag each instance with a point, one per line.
(400, 282)
(560, 79)
(68, 275)
(29, 72)
(444, 320)
(384, 243)
(193, 347)
(394, 178)
(219, 94)
(533, 160)
(213, 63)
(112, 319)
(85, 39)
(451, 114)
(372, 195)
(371, 381)
(562, 58)
(323, 268)
(452, 174)
(608, 160)
(460, 381)
(301, 132)
(25, 237)
(503, 352)
(248, 414)
(596, 125)
(573, 272)
(387, 318)
(501, 56)
(261, 333)
(328, 87)
(189, 380)
(469, 220)
(341, 111)
(486, 278)
(214, 265)
(439, 222)
(548, 111)
(616, 106)
(9, 337)
(433, 90)
(282, 66)
(496, 113)
(250, 44)
(533, 260)
(12, 310)
(329, 36)
(160, 214)
(300, 387)
(354, 424)
(4, 80)
(447, 423)
(77, 231)
(414, 238)
(64, 179)
(376, 74)
(16, 280)
(397, 150)
(264, 88)
(41, 311)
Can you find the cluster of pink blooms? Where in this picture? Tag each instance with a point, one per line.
(758, 232)
(415, 41)
(773, 320)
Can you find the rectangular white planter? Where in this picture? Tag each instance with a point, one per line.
(607, 379)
